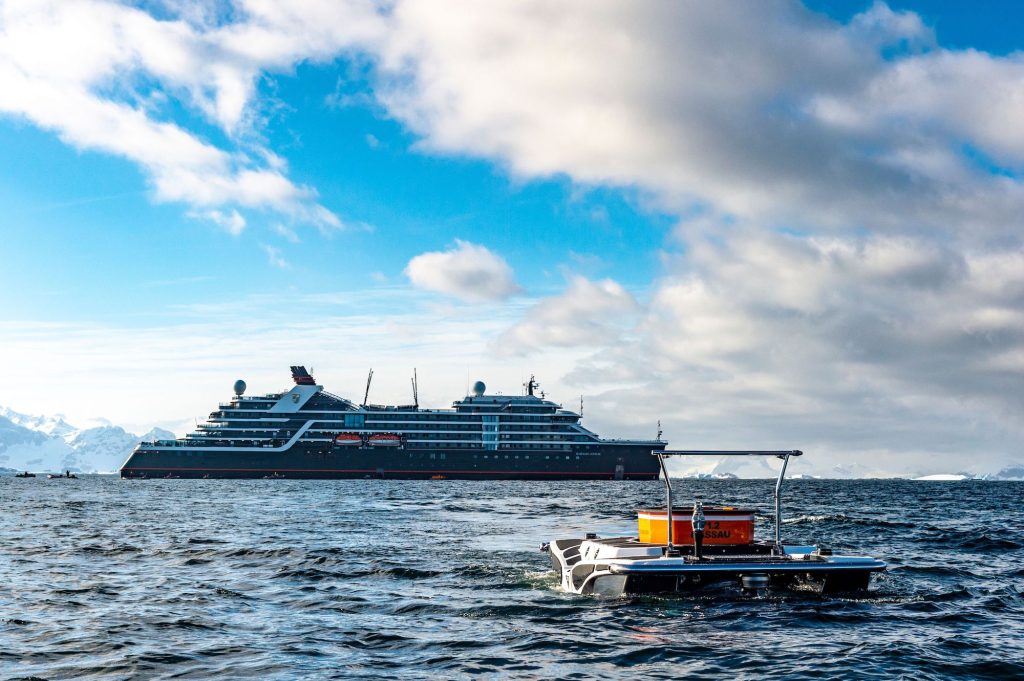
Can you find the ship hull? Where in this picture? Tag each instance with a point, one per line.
(611, 462)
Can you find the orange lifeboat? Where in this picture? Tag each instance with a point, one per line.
(385, 440)
(348, 440)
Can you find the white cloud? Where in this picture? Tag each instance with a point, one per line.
(467, 271)
(96, 72)
(232, 222)
(287, 232)
(587, 313)
(274, 256)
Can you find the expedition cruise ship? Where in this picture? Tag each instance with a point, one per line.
(309, 433)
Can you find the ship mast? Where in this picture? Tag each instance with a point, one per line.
(366, 395)
(415, 389)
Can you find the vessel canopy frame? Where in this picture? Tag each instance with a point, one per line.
(779, 454)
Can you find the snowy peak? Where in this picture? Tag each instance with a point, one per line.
(12, 434)
(156, 434)
(48, 425)
(42, 443)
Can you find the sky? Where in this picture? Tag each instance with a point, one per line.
(764, 224)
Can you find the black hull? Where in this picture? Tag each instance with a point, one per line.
(613, 462)
(824, 581)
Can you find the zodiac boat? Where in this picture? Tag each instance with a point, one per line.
(653, 562)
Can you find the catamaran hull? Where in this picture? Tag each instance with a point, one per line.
(613, 461)
(636, 574)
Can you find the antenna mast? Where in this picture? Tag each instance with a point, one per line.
(366, 395)
(658, 438)
(415, 389)
(581, 405)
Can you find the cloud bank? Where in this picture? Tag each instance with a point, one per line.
(754, 110)
(757, 110)
(847, 272)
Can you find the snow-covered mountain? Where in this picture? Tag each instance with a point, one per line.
(50, 425)
(50, 443)
(711, 476)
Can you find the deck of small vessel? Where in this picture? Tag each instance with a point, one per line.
(711, 553)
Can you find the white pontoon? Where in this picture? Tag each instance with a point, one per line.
(728, 553)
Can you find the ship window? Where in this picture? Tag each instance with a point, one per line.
(443, 456)
(432, 455)
(489, 431)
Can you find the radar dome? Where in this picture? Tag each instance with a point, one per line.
(239, 387)
(479, 388)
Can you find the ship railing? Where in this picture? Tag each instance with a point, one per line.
(779, 454)
(629, 441)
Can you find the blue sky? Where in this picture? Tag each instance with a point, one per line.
(757, 222)
(86, 221)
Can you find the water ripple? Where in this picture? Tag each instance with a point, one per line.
(283, 579)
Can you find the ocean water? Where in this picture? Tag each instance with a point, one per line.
(279, 579)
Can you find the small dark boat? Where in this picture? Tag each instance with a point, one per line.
(68, 475)
(26, 474)
(683, 555)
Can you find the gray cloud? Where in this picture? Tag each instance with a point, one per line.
(896, 354)
(760, 110)
(850, 270)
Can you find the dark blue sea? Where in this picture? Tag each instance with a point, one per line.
(278, 579)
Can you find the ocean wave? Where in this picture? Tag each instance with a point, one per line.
(376, 579)
(802, 519)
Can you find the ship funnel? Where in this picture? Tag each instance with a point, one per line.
(301, 376)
